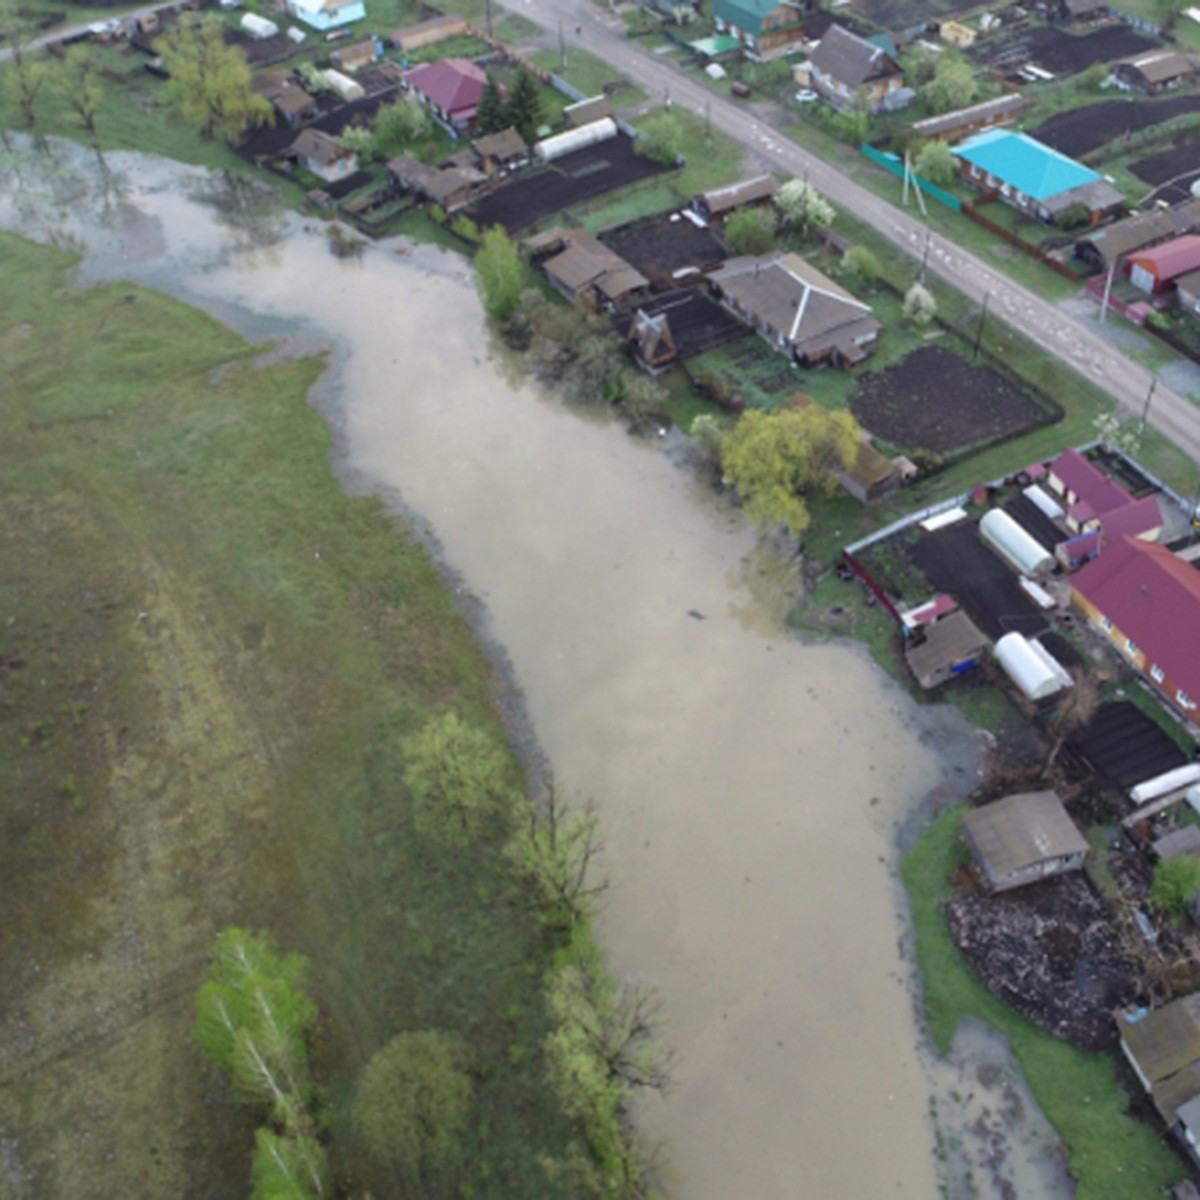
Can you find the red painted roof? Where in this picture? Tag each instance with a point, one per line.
(1166, 261)
(455, 85)
(1094, 489)
(1153, 597)
(930, 611)
(1130, 520)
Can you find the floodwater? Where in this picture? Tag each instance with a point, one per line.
(750, 787)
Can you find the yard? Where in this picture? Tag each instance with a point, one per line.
(1081, 131)
(936, 400)
(1062, 53)
(661, 247)
(1170, 172)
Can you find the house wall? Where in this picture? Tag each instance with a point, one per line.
(326, 18)
(1036, 871)
(1158, 675)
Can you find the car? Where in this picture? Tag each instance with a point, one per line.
(739, 89)
(806, 96)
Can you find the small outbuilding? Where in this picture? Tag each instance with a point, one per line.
(950, 646)
(1156, 269)
(324, 156)
(746, 192)
(499, 153)
(548, 149)
(427, 33)
(1023, 838)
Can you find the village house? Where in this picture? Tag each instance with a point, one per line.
(427, 33)
(872, 476)
(1156, 268)
(1023, 838)
(762, 26)
(963, 122)
(1155, 70)
(1163, 1048)
(584, 112)
(499, 153)
(451, 89)
(651, 340)
(1104, 248)
(583, 265)
(1081, 10)
(326, 14)
(1034, 178)
(451, 186)
(1094, 503)
(289, 99)
(1145, 601)
(850, 72)
(324, 156)
(798, 310)
(746, 193)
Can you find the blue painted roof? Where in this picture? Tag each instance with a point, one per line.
(1024, 163)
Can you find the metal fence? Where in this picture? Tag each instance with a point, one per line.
(894, 164)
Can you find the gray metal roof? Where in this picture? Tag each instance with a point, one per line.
(852, 60)
(1019, 831)
(1166, 1040)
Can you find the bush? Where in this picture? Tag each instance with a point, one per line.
(660, 138)
(1176, 881)
(751, 230)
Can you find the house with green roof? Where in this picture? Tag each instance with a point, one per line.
(1036, 179)
(762, 26)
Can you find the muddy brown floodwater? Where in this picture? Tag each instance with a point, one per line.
(750, 786)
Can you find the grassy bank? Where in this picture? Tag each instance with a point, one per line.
(1112, 1155)
(208, 657)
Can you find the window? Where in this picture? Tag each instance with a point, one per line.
(1156, 673)
(1184, 700)
(1130, 648)
(1106, 624)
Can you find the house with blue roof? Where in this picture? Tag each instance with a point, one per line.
(1036, 179)
(762, 26)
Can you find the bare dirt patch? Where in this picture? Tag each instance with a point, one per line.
(1053, 952)
(1079, 131)
(936, 400)
(661, 248)
(1061, 52)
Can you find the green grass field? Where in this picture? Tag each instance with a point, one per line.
(1112, 1156)
(209, 654)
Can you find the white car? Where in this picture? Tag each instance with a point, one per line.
(806, 96)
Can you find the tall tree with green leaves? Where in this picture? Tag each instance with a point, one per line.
(79, 84)
(751, 230)
(803, 207)
(459, 777)
(28, 72)
(210, 81)
(524, 108)
(953, 85)
(936, 162)
(660, 138)
(492, 115)
(413, 1103)
(499, 274)
(402, 123)
(772, 460)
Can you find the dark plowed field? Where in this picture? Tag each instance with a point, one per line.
(661, 247)
(697, 324)
(1082, 130)
(1063, 53)
(935, 400)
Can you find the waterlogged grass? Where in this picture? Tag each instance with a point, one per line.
(209, 655)
(1112, 1155)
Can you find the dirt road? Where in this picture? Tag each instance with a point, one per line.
(1174, 416)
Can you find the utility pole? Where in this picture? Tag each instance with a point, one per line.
(1107, 291)
(489, 17)
(979, 332)
(562, 47)
(925, 256)
(708, 142)
(1146, 406)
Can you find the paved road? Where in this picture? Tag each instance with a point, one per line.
(70, 31)
(1176, 417)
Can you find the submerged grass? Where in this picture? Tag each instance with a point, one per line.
(1113, 1156)
(209, 655)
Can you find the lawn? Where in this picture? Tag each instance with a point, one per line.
(591, 75)
(208, 659)
(1112, 1156)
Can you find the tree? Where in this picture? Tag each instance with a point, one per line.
(1117, 436)
(361, 140)
(1091, 79)
(491, 116)
(288, 1168)
(751, 230)
(919, 305)
(660, 138)
(1176, 881)
(28, 72)
(555, 848)
(402, 123)
(82, 92)
(210, 81)
(414, 1101)
(953, 85)
(860, 261)
(803, 207)
(499, 273)
(935, 162)
(524, 108)
(772, 459)
(459, 778)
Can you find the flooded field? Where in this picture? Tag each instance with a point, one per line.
(750, 787)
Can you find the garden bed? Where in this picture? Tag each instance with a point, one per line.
(935, 400)
(661, 246)
(1062, 53)
(1080, 131)
(1171, 171)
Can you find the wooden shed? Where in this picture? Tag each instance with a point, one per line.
(1023, 838)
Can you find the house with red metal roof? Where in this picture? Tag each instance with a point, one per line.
(1146, 601)
(451, 89)
(1156, 269)
(1093, 501)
